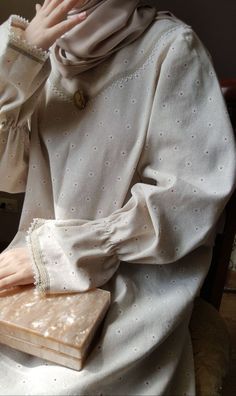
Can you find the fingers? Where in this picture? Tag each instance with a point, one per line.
(46, 2)
(15, 268)
(54, 5)
(38, 7)
(16, 279)
(64, 26)
(6, 271)
(58, 9)
(9, 281)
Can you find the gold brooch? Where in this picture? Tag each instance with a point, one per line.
(79, 99)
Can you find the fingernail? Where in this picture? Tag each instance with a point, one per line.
(83, 14)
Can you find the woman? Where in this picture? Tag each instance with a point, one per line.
(120, 138)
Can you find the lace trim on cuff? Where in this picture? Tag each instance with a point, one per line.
(41, 278)
(17, 42)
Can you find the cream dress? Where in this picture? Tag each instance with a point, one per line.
(125, 194)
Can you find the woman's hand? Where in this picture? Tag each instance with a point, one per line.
(49, 22)
(15, 268)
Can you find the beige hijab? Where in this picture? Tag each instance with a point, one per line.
(109, 26)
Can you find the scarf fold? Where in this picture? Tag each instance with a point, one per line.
(109, 26)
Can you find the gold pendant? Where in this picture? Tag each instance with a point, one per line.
(79, 99)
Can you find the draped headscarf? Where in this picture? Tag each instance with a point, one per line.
(109, 26)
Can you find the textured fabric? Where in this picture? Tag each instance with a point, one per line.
(109, 26)
(125, 194)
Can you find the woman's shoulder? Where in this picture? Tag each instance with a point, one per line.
(166, 28)
(164, 33)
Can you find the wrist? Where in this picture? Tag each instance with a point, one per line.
(26, 35)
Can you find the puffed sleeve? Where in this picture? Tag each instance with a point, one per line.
(23, 72)
(187, 172)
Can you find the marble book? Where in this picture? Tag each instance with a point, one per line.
(58, 328)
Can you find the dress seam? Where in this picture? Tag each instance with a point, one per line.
(121, 78)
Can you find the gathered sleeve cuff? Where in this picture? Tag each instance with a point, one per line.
(24, 69)
(16, 27)
(187, 172)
